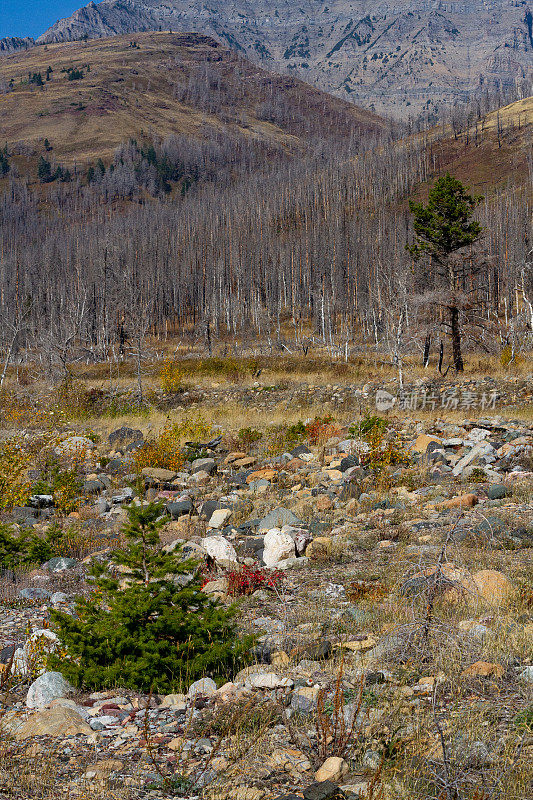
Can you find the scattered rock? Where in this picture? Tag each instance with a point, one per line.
(277, 547)
(57, 721)
(267, 680)
(492, 586)
(159, 475)
(219, 517)
(74, 445)
(422, 441)
(60, 564)
(321, 790)
(177, 702)
(207, 465)
(497, 491)
(277, 518)
(483, 669)
(204, 686)
(333, 769)
(102, 770)
(180, 508)
(319, 548)
(123, 436)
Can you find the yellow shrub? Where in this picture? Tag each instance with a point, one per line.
(193, 428)
(171, 376)
(164, 451)
(506, 356)
(15, 489)
(19, 411)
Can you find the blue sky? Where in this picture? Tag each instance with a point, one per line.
(33, 17)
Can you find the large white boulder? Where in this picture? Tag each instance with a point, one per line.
(219, 517)
(267, 680)
(219, 548)
(32, 656)
(277, 547)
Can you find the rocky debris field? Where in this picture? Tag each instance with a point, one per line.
(384, 570)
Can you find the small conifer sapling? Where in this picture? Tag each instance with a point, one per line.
(157, 631)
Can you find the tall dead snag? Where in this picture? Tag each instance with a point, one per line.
(442, 228)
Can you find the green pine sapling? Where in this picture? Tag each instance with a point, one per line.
(158, 630)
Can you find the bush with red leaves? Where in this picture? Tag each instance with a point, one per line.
(246, 580)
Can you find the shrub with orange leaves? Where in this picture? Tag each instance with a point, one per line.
(162, 451)
(321, 429)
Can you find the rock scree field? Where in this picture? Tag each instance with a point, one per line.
(265, 591)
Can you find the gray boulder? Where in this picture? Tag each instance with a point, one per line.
(179, 508)
(45, 688)
(204, 465)
(497, 491)
(60, 564)
(277, 518)
(123, 436)
(34, 593)
(205, 686)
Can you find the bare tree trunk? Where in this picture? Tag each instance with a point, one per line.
(456, 339)
(427, 347)
(140, 393)
(8, 357)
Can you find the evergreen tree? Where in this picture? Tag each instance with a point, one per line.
(442, 228)
(44, 170)
(159, 631)
(11, 549)
(47, 145)
(4, 162)
(19, 550)
(445, 224)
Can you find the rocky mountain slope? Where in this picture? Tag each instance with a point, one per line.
(10, 44)
(399, 58)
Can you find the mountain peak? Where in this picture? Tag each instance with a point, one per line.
(397, 58)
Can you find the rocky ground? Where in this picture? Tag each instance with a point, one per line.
(387, 578)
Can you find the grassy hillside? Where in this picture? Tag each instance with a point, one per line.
(491, 152)
(160, 84)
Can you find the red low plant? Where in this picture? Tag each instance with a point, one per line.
(244, 581)
(321, 429)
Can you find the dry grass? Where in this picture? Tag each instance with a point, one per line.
(260, 392)
(129, 91)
